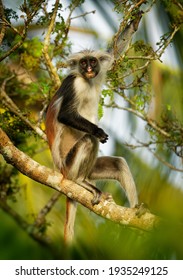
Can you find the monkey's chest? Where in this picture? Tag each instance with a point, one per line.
(87, 96)
(88, 109)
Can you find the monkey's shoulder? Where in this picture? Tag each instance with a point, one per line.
(67, 85)
(74, 86)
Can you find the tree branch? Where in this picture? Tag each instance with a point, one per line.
(51, 68)
(106, 208)
(24, 225)
(8, 102)
(23, 34)
(3, 25)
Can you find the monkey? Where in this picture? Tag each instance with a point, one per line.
(74, 135)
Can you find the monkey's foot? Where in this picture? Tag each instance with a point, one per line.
(142, 208)
(102, 196)
(91, 188)
(96, 197)
(108, 196)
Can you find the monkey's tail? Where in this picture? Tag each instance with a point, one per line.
(71, 207)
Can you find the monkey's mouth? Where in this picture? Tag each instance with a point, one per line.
(90, 75)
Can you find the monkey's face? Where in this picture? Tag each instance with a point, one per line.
(89, 67)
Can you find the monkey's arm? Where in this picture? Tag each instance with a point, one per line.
(76, 121)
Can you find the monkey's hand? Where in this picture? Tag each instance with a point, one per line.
(101, 135)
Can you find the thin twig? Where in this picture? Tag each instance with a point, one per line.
(8, 24)
(40, 219)
(147, 145)
(178, 4)
(23, 34)
(83, 15)
(165, 162)
(167, 42)
(135, 70)
(51, 68)
(23, 223)
(150, 122)
(8, 102)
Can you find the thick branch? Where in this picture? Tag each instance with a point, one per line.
(124, 35)
(55, 180)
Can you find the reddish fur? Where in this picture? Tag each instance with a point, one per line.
(50, 123)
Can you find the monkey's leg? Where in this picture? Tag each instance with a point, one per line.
(116, 168)
(79, 162)
(77, 165)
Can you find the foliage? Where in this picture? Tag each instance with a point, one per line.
(29, 77)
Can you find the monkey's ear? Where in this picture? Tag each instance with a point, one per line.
(72, 63)
(105, 57)
(106, 60)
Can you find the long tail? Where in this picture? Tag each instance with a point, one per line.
(71, 207)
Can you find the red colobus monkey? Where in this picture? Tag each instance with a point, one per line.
(74, 135)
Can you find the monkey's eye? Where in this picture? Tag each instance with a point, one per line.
(83, 63)
(93, 62)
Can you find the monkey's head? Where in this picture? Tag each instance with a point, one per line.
(89, 63)
(89, 67)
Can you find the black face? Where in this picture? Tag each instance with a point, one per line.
(89, 67)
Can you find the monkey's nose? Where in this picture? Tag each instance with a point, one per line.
(89, 69)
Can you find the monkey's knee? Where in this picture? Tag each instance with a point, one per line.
(90, 142)
(118, 166)
(121, 163)
(123, 168)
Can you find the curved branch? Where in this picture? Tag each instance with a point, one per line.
(106, 208)
(152, 123)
